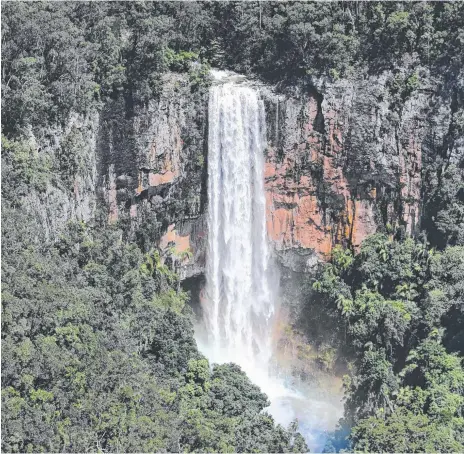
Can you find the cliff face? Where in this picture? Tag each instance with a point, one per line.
(73, 149)
(343, 161)
(144, 167)
(153, 171)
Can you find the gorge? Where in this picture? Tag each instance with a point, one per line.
(222, 217)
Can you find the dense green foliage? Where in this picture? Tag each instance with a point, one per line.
(98, 353)
(58, 57)
(296, 39)
(393, 304)
(67, 57)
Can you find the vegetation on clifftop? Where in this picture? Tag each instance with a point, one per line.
(66, 56)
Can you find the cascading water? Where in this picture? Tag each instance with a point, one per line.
(238, 305)
(239, 300)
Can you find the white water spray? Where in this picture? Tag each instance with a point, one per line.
(238, 306)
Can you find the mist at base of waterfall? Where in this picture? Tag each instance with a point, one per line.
(316, 405)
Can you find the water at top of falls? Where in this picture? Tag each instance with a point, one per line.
(220, 76)
(239, 302)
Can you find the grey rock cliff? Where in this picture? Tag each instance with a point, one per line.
(344, 159)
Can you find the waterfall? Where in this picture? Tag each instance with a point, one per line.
(239, 300)
(238, 305)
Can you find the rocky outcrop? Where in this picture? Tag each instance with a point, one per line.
(153, 170)
(141, 166)
(71, 188)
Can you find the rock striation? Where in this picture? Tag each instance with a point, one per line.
(340, 165)
(153, 171)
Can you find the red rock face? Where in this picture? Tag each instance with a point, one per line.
(164, 164)
(312, 166)
(293, 215)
